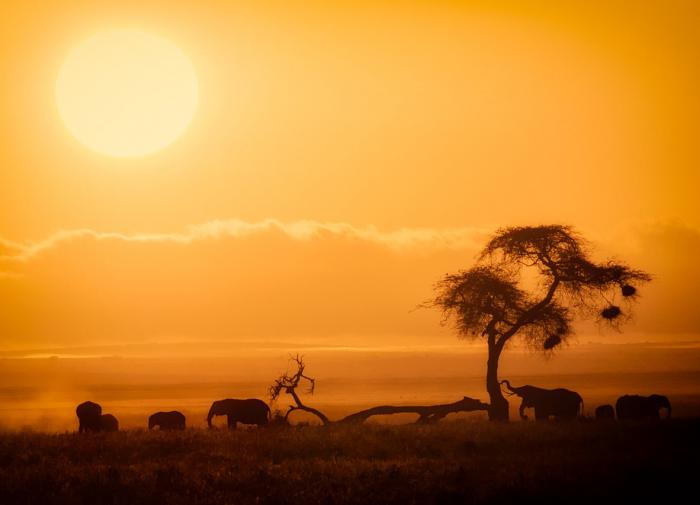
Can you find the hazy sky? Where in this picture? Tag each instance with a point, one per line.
(342, 158)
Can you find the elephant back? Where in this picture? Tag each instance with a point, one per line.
(88, 409)
(629, 407)
(250, 411)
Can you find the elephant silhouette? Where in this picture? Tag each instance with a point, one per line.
(251, 411)
(560, 403)
(641, 407)
(167, 421)
(89, 417)
(109, 423)
(604, 413)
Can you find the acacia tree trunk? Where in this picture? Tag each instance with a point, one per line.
(499, 405)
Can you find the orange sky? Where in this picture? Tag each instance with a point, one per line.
(342, 158)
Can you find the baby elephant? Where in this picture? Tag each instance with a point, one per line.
(173, 420)
(109, 423)
(605, 413)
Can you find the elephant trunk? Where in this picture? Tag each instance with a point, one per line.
(510, 388)
(212, 413)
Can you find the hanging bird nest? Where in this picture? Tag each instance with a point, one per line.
(628, 290)
(611, 312)
(551, 342)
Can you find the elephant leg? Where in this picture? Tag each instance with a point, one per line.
(541, 414)
(231, 422)
(521, 411)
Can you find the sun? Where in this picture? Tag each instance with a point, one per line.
(126, 92)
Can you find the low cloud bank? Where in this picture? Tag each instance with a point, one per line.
(303, 281)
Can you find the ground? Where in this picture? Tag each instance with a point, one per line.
(458, 461)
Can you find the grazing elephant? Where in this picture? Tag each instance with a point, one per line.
(109, 423)
(605, 413)
(89, 416)
(641, 407)
(560, 403)
(252, 411)
(173, 420)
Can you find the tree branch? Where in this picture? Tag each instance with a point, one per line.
(529, 315)
(289, 382)
(300, 406)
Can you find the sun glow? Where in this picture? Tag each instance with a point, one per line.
(126, 92)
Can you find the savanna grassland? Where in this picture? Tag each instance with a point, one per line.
(457, 461)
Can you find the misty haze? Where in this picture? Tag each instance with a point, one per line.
(304, 252)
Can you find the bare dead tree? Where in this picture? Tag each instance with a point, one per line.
(490, 301)
(290, 381)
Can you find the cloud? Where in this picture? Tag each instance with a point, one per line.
(228, 279)
(403, 238)
(303, 281)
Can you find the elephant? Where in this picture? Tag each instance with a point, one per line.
(560, 403)
(605, 413)
(641, 407)
(251, 411)
(173, 420)
(109, 423)
(89, 416)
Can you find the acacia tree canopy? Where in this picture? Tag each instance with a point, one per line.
(490, 298)
(530, 282)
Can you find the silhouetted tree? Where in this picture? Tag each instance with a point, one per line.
(288, 382)
(530, 282)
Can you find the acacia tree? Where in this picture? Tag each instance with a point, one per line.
(530, 283)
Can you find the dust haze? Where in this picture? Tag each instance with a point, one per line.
(40, 392)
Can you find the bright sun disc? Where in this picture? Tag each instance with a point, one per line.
(126, 92)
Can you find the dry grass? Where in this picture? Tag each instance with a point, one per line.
(452, 462)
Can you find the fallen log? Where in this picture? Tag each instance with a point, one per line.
(427, 413)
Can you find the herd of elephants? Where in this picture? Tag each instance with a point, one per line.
(560, 403)
(251, 411)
